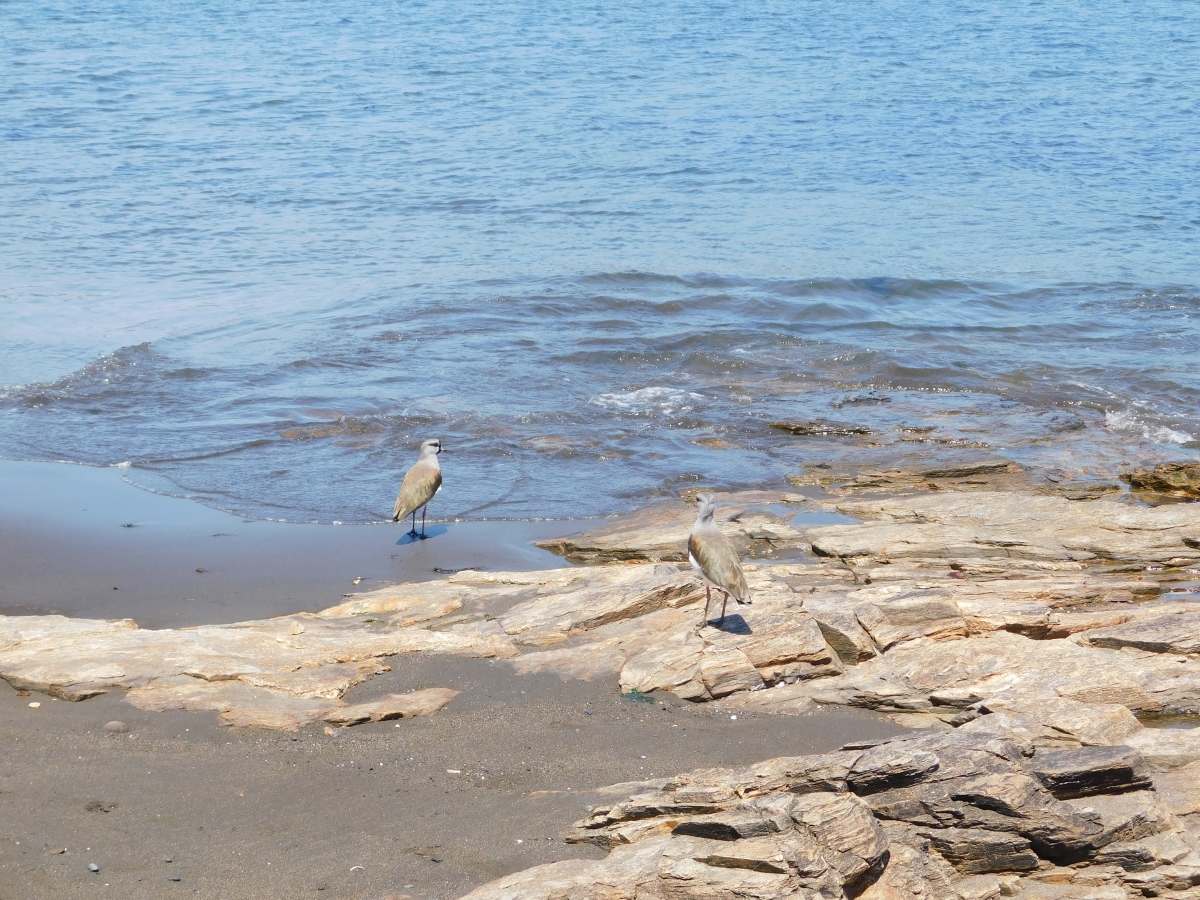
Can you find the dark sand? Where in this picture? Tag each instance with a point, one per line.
(257, 814)
(260, 814)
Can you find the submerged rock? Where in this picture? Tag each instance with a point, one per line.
(1178, 480)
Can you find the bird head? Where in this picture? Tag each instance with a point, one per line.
(705, 504)
(431, 447)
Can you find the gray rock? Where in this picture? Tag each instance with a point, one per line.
(889, 766)
(974, 851)
(116, 727)
(1090, 770)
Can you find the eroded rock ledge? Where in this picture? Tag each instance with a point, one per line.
(955, 815)
(1046, 615)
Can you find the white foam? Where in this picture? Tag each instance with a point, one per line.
(1128, 421)
(649, 399)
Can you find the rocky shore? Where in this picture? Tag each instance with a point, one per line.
(1028, 626)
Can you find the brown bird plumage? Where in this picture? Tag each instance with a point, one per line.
(713, 556)
(420, 484)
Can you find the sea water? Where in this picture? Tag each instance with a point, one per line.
(256, 253)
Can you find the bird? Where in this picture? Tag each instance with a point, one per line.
(420, 483)
(712, 555)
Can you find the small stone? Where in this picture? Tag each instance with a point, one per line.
(176, 878)
(116, 726)
(92, 867)
(34, 705)
(59, 850)
(168, 859)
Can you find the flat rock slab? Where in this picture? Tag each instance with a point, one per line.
(393, 706)
(923, 464)
(993, 525)
(660, 533)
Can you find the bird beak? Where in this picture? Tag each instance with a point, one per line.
(441, 449)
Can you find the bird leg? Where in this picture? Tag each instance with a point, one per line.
(724, 600)
(423, 508)
(413, 531)
(707, 602)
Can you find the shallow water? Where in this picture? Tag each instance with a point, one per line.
(259, 253)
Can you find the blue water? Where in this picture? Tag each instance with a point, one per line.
(259, 251)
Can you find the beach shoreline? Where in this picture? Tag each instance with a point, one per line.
(251, 812)
(81, 541)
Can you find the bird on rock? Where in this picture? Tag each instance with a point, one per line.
(420, 484)
(713, 556)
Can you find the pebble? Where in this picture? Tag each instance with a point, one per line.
(116, 726)
(34, 705)
(176, 878)
(92, 867)
(168, 859)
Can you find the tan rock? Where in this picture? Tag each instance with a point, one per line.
(588, 604)
(1176, 632)
(403, 604)
(393, 706)
(893, 616)
(669, 665)
(954, 525)
(660, 533)
(1179, 789)
(728, 670)
(842, 632)
(845, 825)
(238, 704)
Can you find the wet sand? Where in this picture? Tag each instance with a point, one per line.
(80, 541)
(368, 812)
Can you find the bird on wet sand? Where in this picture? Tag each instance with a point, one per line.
(420, 484)
(712, 555)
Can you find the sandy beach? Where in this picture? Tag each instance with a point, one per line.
(428, 807)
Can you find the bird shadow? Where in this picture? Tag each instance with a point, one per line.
(731, 624)
(431, 532)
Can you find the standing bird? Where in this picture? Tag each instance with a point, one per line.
(713, 556)
(419, 486)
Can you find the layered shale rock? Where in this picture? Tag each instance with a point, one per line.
(953, 815)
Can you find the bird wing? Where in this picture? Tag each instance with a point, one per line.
(719, 562)
(417, 489)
